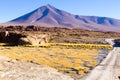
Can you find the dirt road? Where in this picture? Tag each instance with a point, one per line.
(109, 69)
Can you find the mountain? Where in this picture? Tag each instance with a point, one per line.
(52, 17)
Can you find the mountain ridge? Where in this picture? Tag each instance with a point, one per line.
(52, 17)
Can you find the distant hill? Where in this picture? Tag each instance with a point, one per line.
(50, 16)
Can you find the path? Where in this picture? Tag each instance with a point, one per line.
(109, 69)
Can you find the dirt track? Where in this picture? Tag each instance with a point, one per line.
(109, 69)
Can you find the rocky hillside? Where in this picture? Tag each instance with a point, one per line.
(38, 35)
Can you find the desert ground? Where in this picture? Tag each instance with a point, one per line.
(74, 58)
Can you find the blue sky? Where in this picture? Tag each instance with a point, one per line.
(10, 9)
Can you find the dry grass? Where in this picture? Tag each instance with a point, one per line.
(75, 62)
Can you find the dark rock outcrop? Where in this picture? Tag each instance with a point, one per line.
(21, 38)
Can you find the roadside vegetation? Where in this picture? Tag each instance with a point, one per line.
(75, 61)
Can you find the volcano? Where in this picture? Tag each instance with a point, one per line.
(49, 16)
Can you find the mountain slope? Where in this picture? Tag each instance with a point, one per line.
(51, 16)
